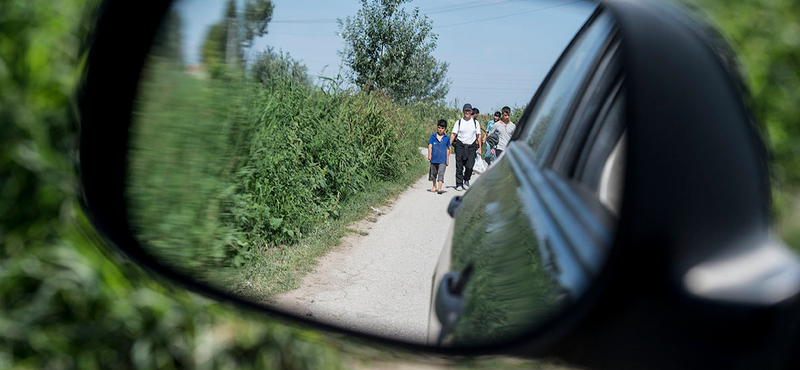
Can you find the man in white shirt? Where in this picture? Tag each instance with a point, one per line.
(466, 140)
(505, 128)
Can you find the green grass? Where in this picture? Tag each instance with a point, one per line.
(276, 270)
(180, 161)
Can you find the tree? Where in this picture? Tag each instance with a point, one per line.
(389, 49)
(257, 15)
(226, 40)
(213, 50)
(271, 69)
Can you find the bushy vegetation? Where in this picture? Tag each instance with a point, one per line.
(274, 69)
(224, 169)
(65, 301)
(311, 151)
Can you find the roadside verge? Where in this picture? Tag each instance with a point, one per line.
(275, 270)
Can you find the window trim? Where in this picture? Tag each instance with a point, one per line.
(547, 82)
(617, 94)
(555, 73)
(573, 135)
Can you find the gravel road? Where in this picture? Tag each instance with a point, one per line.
(378, 280)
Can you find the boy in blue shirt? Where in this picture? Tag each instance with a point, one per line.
(438, 155)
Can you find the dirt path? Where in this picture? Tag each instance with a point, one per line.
(379, 279)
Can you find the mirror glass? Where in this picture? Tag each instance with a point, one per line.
(279, 152)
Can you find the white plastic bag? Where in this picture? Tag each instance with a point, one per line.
(479, 166)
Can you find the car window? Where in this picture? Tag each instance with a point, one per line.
(542, 126)
(604, 82)
(601, 162)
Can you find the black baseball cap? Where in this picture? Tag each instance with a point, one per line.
(467, 106)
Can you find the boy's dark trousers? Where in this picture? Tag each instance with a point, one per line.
(465, 159)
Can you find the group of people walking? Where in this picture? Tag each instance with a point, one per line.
(468, 139)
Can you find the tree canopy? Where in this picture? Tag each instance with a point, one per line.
(272, 68)
(389, 49)
(226, 40)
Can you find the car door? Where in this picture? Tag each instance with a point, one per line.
(535, 229)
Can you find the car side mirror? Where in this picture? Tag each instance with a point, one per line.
(635, 188)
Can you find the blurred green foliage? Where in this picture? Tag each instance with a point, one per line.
(65, 303)
(227, 41)
(765, 36)
(181, 155)
(516, 113)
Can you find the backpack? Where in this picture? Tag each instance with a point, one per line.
(459, 128)
(493, 139)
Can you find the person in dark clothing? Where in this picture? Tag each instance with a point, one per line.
(490, 154)
(466, 137)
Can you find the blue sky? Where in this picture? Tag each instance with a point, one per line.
(499, 50)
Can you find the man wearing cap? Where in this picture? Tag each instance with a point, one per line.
(466, 140)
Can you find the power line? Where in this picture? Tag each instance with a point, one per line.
(440, 7)
(498, 75)
(304, 21)
(497, 84)
(495, 80)
(512, 86)
(482, 4)
(462, 81)
(301, 34)
(493, 91)
(434, 10)
(495, 74)
(509, 15)
(493, 88)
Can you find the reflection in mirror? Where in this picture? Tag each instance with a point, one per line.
(280, 153)
(536, 230)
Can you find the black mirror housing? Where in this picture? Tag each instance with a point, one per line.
(696, 188)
